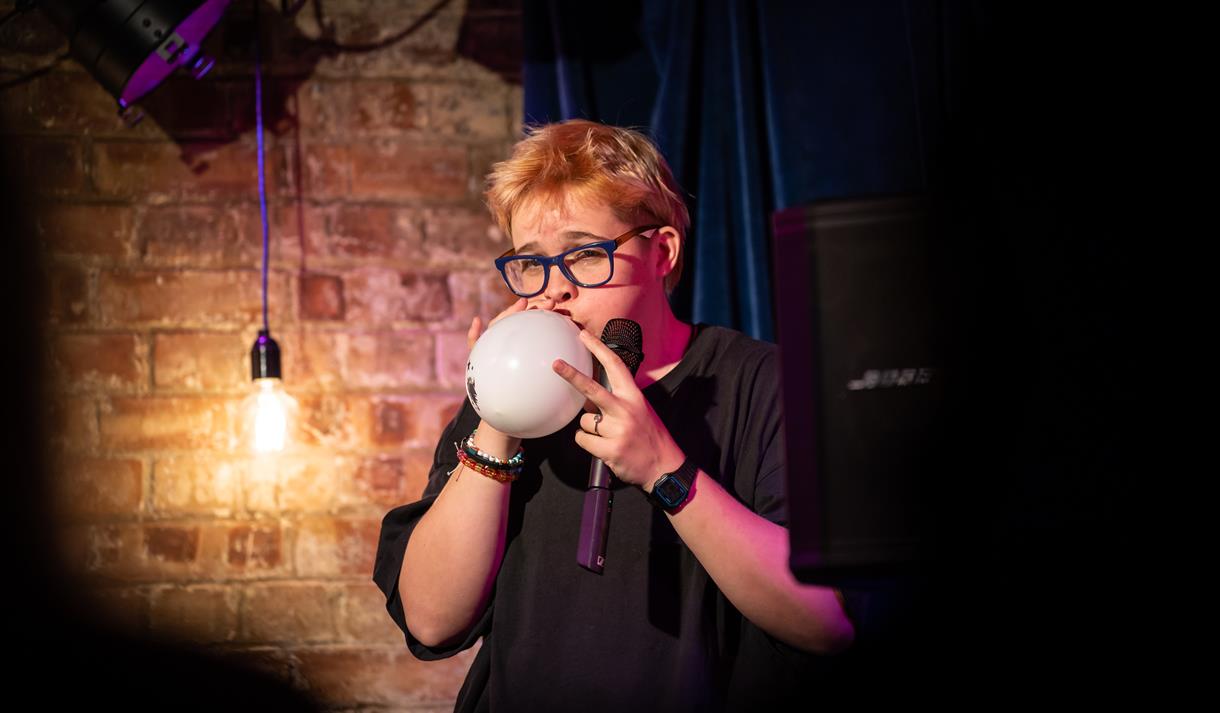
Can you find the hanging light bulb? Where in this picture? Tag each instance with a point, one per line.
(268, 411)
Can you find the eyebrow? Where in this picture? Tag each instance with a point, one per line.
(570, 237)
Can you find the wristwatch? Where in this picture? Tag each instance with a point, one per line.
(670, 491)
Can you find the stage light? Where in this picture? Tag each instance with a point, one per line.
(131, 46)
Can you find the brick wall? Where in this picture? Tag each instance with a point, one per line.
(380, 257)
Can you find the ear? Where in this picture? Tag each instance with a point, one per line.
(666, 251)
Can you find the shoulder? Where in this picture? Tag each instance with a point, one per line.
(732, 350)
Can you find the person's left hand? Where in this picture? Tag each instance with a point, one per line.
(630, 438)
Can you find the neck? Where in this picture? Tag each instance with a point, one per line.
(665, 341)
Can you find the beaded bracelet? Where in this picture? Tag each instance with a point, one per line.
(488, 459)
(504, 476)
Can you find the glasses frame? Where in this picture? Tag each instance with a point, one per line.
(609, 245)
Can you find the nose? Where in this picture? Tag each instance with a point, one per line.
(558, 288)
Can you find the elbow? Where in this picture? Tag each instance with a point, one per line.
(840, 639)
(424, 629)
(423, 635)
(828, 638)
(828, 631)
(428, 630)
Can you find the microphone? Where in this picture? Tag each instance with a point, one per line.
(624, 338)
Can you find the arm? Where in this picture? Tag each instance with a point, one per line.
(452, 558)
(454, 553)
(747, 556)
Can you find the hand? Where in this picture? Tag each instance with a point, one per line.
(473, 334)
(489, 439)
(630, 438)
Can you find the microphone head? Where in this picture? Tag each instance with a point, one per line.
(625, 338)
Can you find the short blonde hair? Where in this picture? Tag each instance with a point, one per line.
(591, 162)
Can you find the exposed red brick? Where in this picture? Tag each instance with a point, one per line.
(67, 300)
(51, 167)
(377, 480)
(72, 423)
(201, 361)
(326, 172)
(196, 236)
(452, 352)
(89, 487)
(171, 543)
(462, 238)
(159, 172)
(363, 618)
(336, 546)
(472, 111)
(322, 297)
(392, 423)
(418, 464)
(366, 232)
(202, 614)
(196, 485)
(86, 230)
(289, 612)
(307, 484)
(177, 423)
(75, 102)
(376, 296)
(312, 359)
(398, 170)
(189, 298)
(381, 106)
(255, 547)
(390, 359)
(285, 223)
(99, 361)
(325, 107)
(332, 421)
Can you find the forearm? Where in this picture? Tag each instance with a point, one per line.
(455, 551)
(747, 556)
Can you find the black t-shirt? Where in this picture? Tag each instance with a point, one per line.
(653, 631)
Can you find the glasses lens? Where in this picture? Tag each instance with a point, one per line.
(589, 265)
(524, 275)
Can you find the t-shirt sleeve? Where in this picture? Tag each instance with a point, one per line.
(767, 420)
(396, 529)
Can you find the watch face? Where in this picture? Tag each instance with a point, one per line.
(670, 491)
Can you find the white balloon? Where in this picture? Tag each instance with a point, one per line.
(509, 378)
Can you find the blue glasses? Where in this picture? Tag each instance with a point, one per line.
(589, 265)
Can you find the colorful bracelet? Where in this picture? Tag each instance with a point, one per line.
(502, 475)
(488, 459)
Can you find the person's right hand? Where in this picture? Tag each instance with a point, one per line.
(489, 439)
(473, 334)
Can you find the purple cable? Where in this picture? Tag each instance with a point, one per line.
(262, 181)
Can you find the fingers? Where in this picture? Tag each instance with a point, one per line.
(602, 400)
(472, 334)
(476, 324)
(518, 306)
(617, 372)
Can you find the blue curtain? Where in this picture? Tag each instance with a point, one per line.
(758, 106)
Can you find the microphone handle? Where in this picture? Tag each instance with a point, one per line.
(594, 524)
(595, 516)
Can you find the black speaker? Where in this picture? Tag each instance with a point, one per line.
(863, 377)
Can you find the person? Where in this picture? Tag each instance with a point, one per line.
(696, 608)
